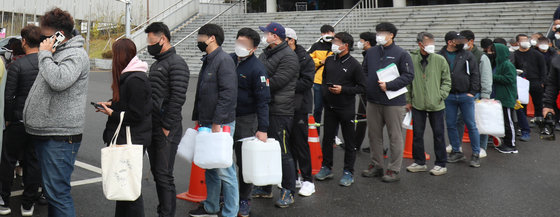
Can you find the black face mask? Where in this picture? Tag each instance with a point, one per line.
(154, 49)
(459, 47)
(202, 46)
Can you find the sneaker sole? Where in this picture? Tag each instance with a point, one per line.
(330, 176)
(507, 152)
(5, 212)
(475, 165)
(346, 185)
(455, 161)
(438, 173)
(416, 170)
(306, 195)
(283, 206)
(263, 196)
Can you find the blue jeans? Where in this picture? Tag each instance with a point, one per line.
(522, 120)
(57, 164)
(317, 102)
(227, 177)
(465, 103)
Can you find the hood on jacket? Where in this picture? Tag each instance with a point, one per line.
(502, 53)
(75, 42)
(136, 65)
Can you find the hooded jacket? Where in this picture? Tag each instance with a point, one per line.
(431, 83)
(319, 52)
(21, 76)
(505, 77)
(303, 98)
(135, 99)
(282, 65)
(464, 78)
(56, 102)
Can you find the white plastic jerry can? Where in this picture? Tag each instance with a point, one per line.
(187, 145)
(213, 150)
(262, 162)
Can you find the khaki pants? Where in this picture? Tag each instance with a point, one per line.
(379, 116)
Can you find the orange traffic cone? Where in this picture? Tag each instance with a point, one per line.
(197, 186)
(530, 108)
(408, 145)
(314, 147)
(466, 138)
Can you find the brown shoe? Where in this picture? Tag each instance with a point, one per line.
(391, 176)
(372, 171)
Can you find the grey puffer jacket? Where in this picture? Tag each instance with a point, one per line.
(56, 102)
(282, 65)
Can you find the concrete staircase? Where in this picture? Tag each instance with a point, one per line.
(485, 20)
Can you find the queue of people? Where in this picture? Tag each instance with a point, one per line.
(269, 96)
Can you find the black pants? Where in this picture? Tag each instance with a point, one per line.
(536, 91)
(18, 143)
(438, 128)
(162, 158)
(361, 127)
(279, 129)
(509, 139)
(333, 118)
(300, 147)
(245, 126)
(130, 208)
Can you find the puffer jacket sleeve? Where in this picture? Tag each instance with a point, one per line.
(227, 90)
(178, 84)
(288, 68)
(13, 72)
(307, 72)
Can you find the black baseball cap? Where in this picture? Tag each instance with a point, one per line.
(453, 35)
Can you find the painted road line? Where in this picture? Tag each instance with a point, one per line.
(73, 183)
(88, 167)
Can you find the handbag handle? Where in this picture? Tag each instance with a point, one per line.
(128, 137)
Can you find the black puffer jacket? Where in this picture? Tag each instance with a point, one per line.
(21, 75)
(282, 65)
(463, 81)
(169, 78)
(552, 86)
(135, 100)
(303, 98)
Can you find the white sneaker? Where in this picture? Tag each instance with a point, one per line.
(4, 210)
(414, 168)
(449, 149)
(299, 183)
(307, 189)
(27, 212)
(438, 171)
(482, 153)
(337, 140)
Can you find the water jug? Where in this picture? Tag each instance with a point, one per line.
(262, 162)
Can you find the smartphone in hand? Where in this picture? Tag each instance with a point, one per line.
(97, 106)
(330, 85)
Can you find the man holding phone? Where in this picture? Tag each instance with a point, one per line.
(343, 79)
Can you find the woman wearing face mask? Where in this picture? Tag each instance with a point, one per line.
(132, 94)
(14, 51)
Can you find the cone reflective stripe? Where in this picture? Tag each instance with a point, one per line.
(530, 108)
(197, 186)
(314, 146)
(408, 145)
(466, 138)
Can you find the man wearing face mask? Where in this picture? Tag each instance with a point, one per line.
(319, 52)
(533, 65)
(465, 85)
(513, 45)
(382, 111)
(169, 77)
(304, 105)
(535, 38)
(367, 41)
(425, 98)
(485, 68)
(282, 65)
(554, 34)
(253, 96)
(549, 53)
(342, 80)
(215, 107)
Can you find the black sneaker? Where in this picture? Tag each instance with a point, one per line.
(201, 212)
(506, 149)
(475, 161)
(455, 157)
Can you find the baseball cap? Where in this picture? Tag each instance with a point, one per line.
(453, 35)
(291, 33)
(274, 28)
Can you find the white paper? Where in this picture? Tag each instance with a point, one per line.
(523, 90)
(407, 121)
(388, 74)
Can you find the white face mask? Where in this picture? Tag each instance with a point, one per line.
(335, 49)
(543, 47)
(430, 48)
(263, 41)
(525, 44)
(533, 42)
(466, 47)
(360, 45)
(557, 36)
(380, 39)
(557, 26)
(514, 48)
(241, 51)
(8, 55)
(327, 38)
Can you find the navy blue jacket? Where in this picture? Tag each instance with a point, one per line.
(216, 92)
(253, 91)
(379, 57)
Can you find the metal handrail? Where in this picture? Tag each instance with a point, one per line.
(549, 28)
(212, 19)
(149, 20)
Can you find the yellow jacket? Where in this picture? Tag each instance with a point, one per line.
(319, 52)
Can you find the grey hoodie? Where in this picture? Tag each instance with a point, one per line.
(56, 102)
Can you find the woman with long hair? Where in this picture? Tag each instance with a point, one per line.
(131, 94)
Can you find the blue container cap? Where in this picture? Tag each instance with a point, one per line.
(204, 130)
